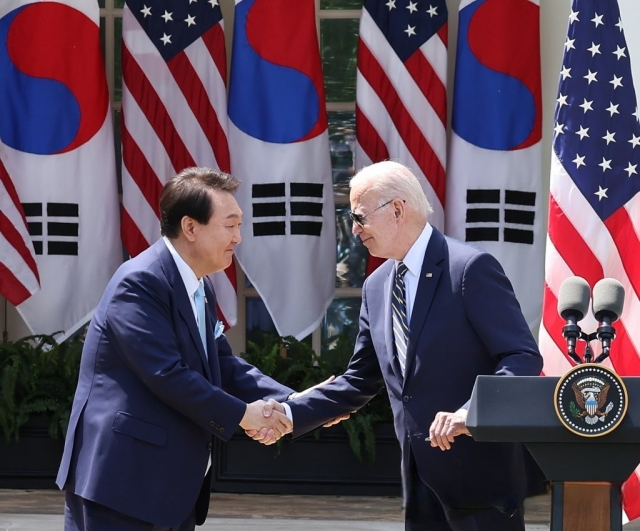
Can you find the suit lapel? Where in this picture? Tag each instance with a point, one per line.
(182, 300)
(427, 283)
(388, 325)
(212, 346)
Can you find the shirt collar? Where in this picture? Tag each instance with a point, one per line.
(189, 278)
(414, 258)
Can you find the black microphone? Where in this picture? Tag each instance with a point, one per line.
(608, 301)
(573, 305)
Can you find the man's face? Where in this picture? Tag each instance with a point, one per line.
(377, 226)
(216, 241)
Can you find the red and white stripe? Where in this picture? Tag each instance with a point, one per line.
(401, 109)
(174, 115)
(580, 244)
(19, 277)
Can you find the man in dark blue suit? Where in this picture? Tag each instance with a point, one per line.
(434, 316)
(158, 379)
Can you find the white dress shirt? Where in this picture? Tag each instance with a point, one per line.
(189, 278)
(413, 260)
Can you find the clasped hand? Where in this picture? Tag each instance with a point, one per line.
(265, 422)
(274, 411)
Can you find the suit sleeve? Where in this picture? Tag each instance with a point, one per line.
(239, 378)
(361, 381)
(139, 322)
(494, 312)
(243, 380)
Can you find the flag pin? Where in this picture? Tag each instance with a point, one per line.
(429, 275)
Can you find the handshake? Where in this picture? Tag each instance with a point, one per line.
(266, 422)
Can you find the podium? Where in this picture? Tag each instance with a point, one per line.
(586, 472)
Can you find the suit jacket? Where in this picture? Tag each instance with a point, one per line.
(465, 322)
(149, 399)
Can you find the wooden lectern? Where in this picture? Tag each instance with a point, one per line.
(586, 472)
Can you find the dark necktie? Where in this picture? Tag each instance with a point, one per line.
(399, 315)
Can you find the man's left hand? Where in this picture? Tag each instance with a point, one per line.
(446, 427)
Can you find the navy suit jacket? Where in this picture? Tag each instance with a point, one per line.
(149, 399)
(465, 322)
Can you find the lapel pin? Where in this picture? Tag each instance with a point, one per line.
(429, 275)
(206, 301)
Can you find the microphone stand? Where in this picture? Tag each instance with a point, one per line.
(588, 351)
(607, 332)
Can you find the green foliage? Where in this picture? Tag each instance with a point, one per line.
(295, 364)
(38, 376)
(573, 409)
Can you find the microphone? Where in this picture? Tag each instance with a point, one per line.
(573, 304)
(608, 301)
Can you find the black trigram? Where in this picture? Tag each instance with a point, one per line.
(274, 211)
(54, 232)
(483, 223)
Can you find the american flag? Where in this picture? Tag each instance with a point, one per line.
(174, 112)
(19, 277)
(401, 101)
(594, 204)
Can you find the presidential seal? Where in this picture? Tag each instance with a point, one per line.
(591, 400)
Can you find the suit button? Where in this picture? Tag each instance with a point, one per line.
(222, 429)
(405, 399)
(210, 446)
(212, 423)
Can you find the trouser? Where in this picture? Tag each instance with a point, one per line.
(84, 515)
(425, 512)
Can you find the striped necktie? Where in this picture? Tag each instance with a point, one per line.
(399, 314)
(199, 299)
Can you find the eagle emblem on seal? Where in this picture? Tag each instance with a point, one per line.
(591, 397)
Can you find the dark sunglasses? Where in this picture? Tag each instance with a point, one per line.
(358, 219)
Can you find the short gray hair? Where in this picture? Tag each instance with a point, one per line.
(391, 179)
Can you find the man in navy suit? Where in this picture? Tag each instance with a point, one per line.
(450, 316)
(155, 384)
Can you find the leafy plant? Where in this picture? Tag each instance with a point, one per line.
(295, 364)
(38, 376)
(573, 409)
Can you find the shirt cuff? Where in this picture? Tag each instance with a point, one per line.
(461, 412)
(287, 411)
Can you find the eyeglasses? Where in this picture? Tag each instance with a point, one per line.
(358, 219)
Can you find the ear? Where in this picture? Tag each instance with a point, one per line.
(188, 227)
(399, 209)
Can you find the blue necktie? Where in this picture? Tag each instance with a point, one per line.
(399, 315)
(202, 322)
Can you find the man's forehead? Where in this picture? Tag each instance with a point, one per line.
(237, 213)
(362, 195)
(225, 204)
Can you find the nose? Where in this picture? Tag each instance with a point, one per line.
(356, 229)
(237, 237)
